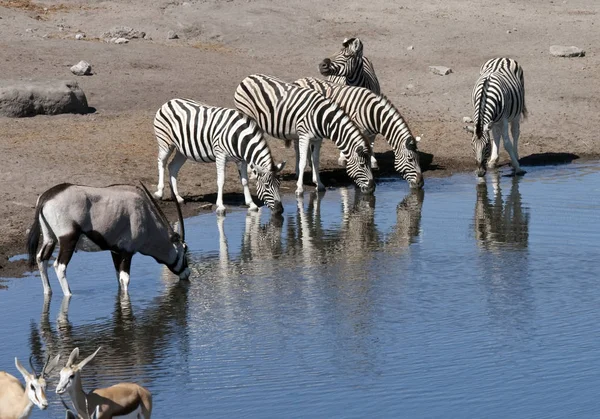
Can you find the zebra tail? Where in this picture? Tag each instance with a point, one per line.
(33, 239)
(525, 112)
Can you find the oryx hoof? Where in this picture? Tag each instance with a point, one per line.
(221, 211)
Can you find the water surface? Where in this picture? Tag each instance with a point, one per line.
(465, 300)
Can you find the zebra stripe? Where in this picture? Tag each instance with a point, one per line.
(499, 100)
(375, 114)
(211, 134)
(290, 112)
(350, 67)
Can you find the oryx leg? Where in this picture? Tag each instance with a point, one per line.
(44, 255)
(174, 167)
(221, 162)
(374, 164)
(243, 171)
(163, 156)
(316, 152)
(495, 154)
(67, 247)
(122, 262)
(303, 145)
(508, 145)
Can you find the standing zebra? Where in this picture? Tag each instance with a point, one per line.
(499, 99)
(291, 112)
(350, 67)
(210, 134)
(375, 114)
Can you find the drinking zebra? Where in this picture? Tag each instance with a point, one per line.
(205, 133)
(350, 67)
(375, 114)
(499, 99)
(291, 112)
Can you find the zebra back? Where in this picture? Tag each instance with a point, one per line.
(507, 66)
(200, 132)
(350, 67)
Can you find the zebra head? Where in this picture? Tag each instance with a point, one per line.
(481, 146)
(345, 62)
(267, 186)
(406, 163)
(358, 166)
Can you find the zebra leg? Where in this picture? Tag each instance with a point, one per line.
(174, 168)
(316, 152)
(496, 134)
(515, 131)
(163, 156)
(243, 171)
(67, 247)
(508, 145)
(303, 145)
(221, 162)
(122, 262)
(374, 164)
(297, 152)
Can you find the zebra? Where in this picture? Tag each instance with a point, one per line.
(375, 114)
(194, 130)
(499, 99)
(351, 67)
(291, 112)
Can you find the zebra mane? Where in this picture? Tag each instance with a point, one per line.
(480, 111)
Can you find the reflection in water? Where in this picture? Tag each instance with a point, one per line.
(503, 223)
(408, 221)
(499, 221)
(130, 343)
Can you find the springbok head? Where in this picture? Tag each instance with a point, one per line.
(69, 375)
(345, 62)
(35, 384)
(180, 266)
(267, 186)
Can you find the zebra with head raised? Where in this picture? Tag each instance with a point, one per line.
(291, 112)
(350, 67)
(375, 114)
(499, 99)
(205, 133)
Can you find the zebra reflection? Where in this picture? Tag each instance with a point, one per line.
(408, 221)
(501, 221)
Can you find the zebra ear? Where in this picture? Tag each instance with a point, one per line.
(361, 151)
(356, 45)
(487, 127)
(280, 167)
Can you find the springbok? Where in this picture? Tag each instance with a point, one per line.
(121, 218)
(16, 401)
(70, 415)
(123, 400)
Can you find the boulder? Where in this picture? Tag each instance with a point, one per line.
(123, 32)
(82, 68)
(562, 51)
(28, 98)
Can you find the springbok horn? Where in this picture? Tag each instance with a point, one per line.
(159, 212)
(32, 367)
(181, 231)
(88, 359)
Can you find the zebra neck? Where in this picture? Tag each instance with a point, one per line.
(392, 126)
(357, 75)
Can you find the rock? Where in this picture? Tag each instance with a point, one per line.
(20, 98)
(172, 35)
(123, 32)
(410, 86)
(467, 119)
(410, 48)
(562, 51)
(80, 36)
(440, 70)
(121, 41)
(82, 68)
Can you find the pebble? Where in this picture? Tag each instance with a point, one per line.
(80, 36)
(410, 48)
(440, 70)
(172, 35)
(467, 119)
(120, 41)
(563, 51)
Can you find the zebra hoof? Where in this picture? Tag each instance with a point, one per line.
(520, 172)
(158, 194)
(221, 211)
(252, 207)
(299, 193)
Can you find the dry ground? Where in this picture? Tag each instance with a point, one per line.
(223, 41)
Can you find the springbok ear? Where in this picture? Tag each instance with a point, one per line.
(88, 359)
(74, 355)
(50, 365)
(280, 167)
(26, 375)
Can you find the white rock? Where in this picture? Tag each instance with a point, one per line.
(121, 41)
(467, 119)
(410, 86)
(172, 35)
(82, 68)
(80, 36)
(440, 70)
(410, 48)
(562, 51)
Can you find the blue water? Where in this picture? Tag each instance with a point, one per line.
(468, 300)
